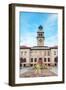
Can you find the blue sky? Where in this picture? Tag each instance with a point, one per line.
(28, 26)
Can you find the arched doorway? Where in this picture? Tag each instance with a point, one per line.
(40, 61)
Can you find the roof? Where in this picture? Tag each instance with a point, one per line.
(25, 47)
(38, 47)
(40, 29)
(54, 47)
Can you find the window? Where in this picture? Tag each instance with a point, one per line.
(21, 52)
(25, 52)
(20, 65)
(44, 59)
(48, 59)
(24, 59)
(56, 59)
(31, 59)
(24, 65)
(40, 34)
(48, 53)
(48, 64)
(55, 64)
(21, 60)
(35, 59)
(40, 58)
(54, 52)
(45, 52)
(31, 64)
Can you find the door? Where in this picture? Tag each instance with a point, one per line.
(40, 61)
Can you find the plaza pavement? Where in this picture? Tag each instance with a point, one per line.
(31, 72)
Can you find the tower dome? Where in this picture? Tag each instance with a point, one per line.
(40, 29)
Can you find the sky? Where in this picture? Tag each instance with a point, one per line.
(28, 27)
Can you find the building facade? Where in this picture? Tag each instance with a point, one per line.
(30, 56)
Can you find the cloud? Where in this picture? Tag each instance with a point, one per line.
(51, 22)
(29, 39)
(51, 19)
(29, 29)
(52, 41)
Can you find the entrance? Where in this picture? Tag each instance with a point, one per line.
(40, 61)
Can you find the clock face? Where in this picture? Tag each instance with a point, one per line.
(40, 40)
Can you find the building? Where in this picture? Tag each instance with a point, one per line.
(30, 56)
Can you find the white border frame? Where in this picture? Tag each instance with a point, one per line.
(39, 79)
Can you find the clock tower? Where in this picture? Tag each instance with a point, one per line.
(40, 36)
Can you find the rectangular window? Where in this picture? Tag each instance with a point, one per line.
(25, 52)
(21, 60)
(45, 52)
(31, 59)
(41, 34)
(48, 59)
(48, 53)
(40, 58)
(44, 59)
(31, 64)
(21, 52)
(48, 64)
(35, 59)
(24, 59)
(54, 52)
(24, 65)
